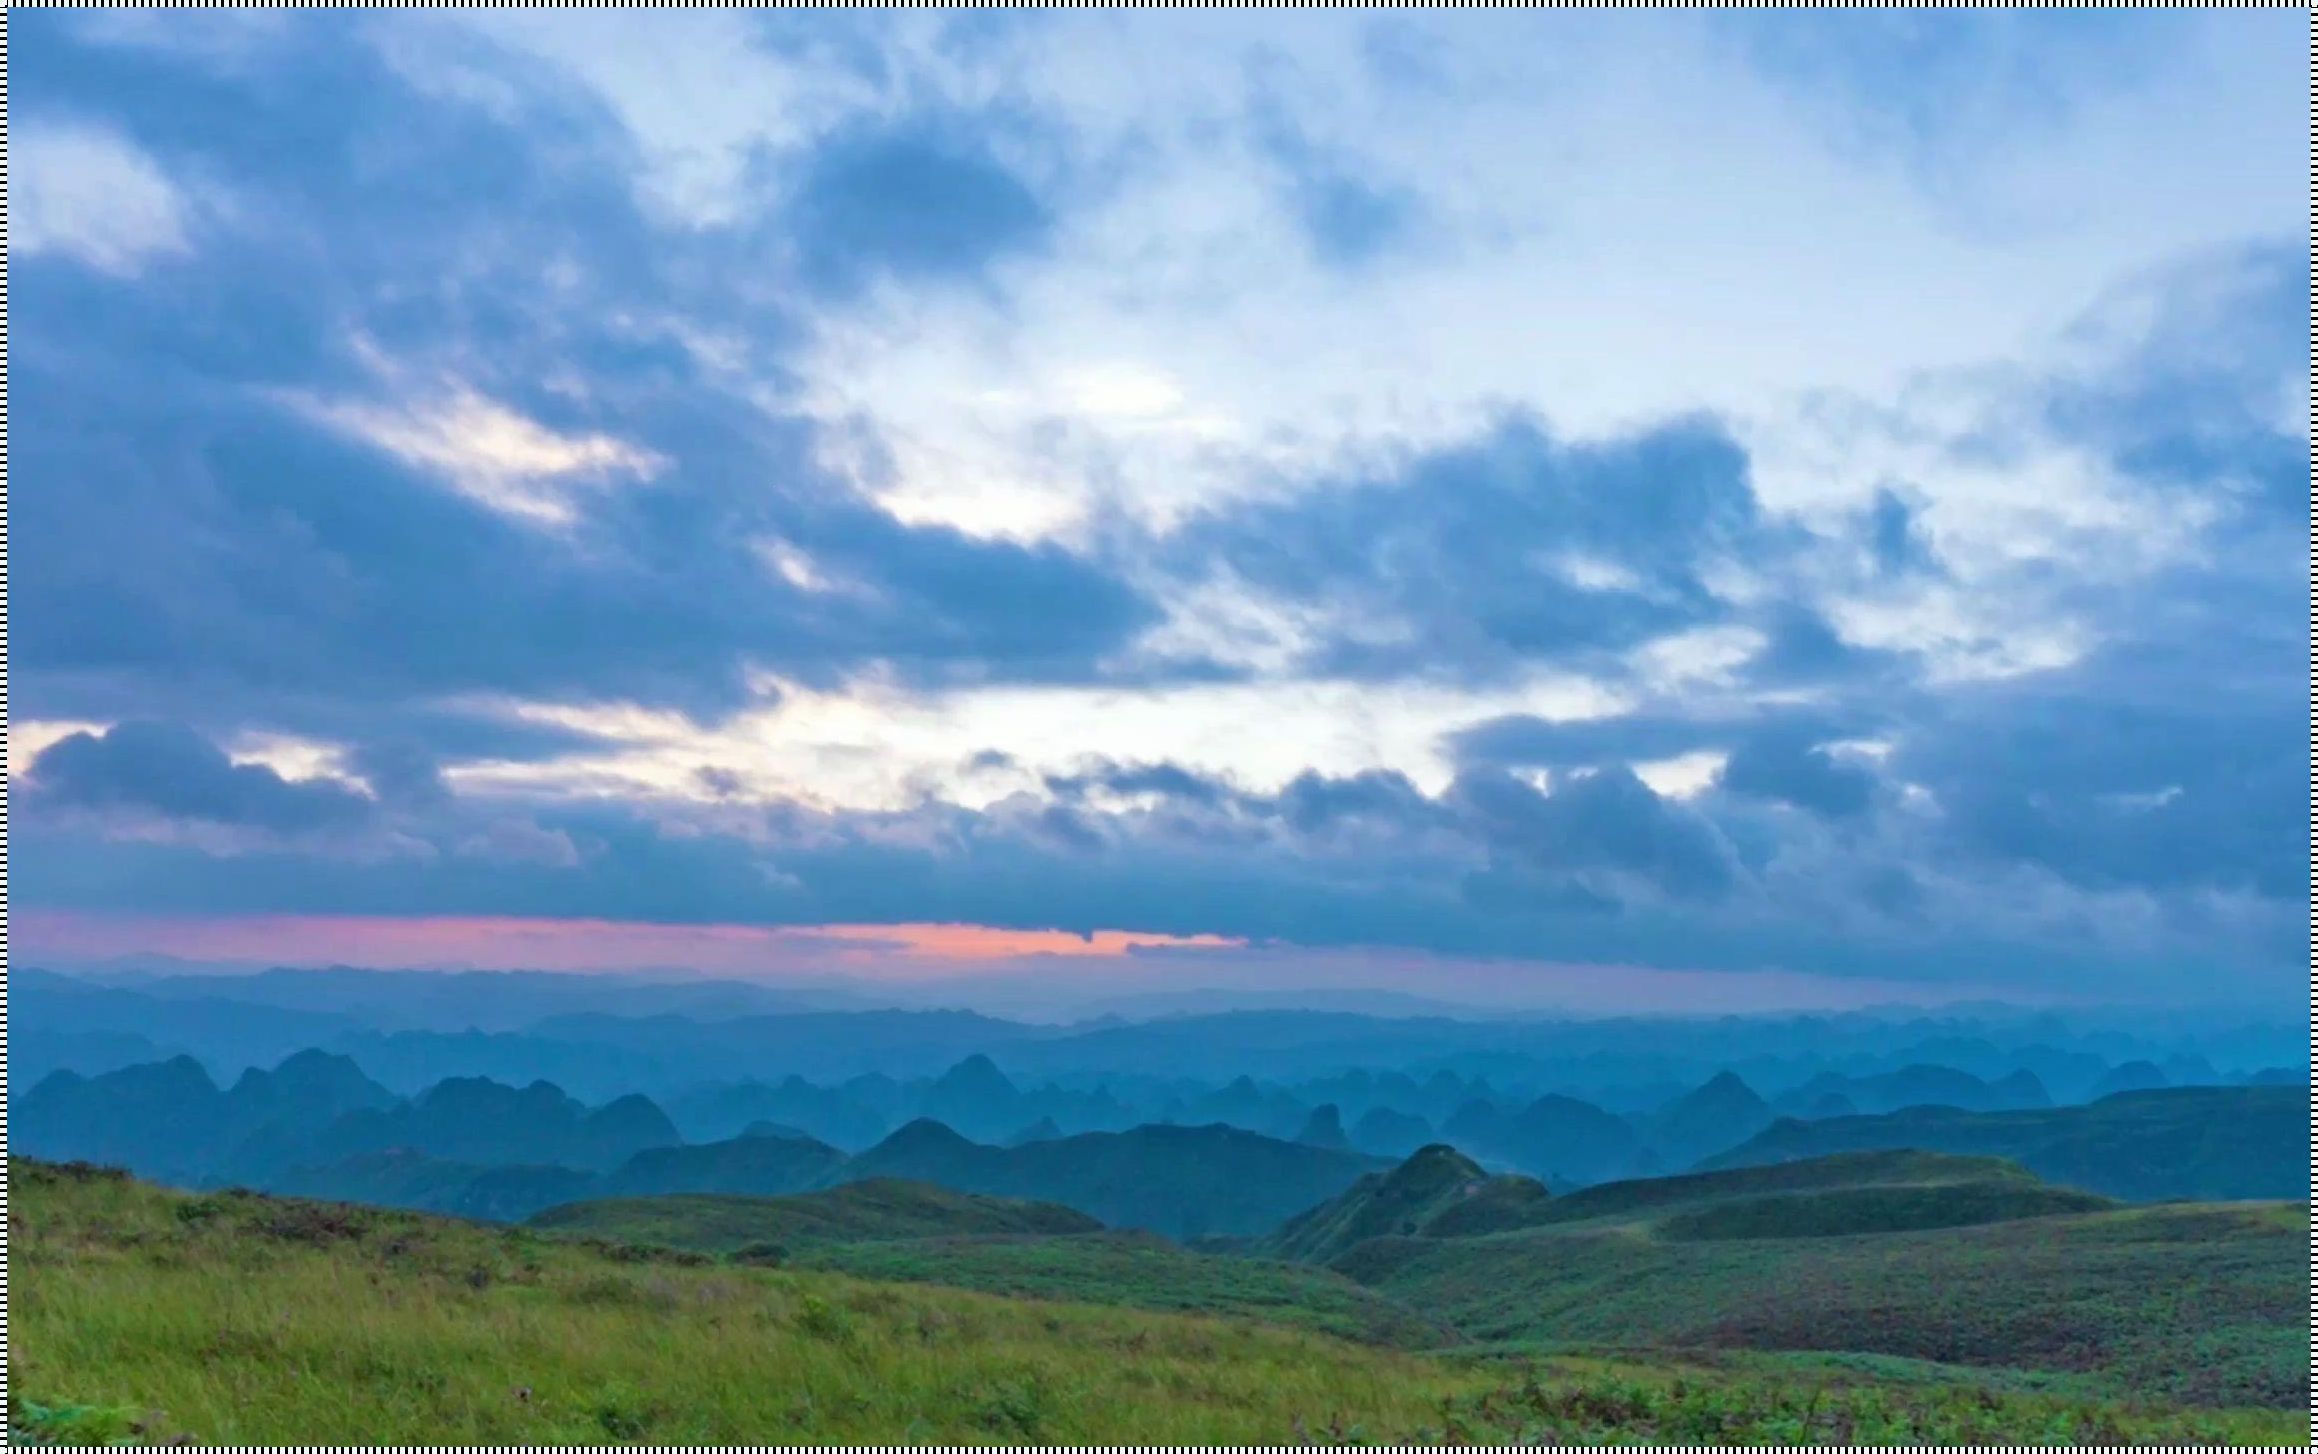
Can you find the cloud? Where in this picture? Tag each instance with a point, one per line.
(1603, 820)
(494, 455)
(85, 193)
(1116, 471)
(168, 771)
(1788, 770)
(1444, 565)
(910, 204)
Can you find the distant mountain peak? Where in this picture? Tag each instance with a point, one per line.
(975, 1075)
(1324, 1128)
(921, 1135)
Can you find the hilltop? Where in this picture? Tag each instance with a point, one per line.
(1436, 1192)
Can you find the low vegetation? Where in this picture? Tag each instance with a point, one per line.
(149, 1316)
(2204, 1305)
(880, 1210)
(237, 1318)
(1130, 1270)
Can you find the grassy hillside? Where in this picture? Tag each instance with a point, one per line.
(1123, 1269)
(1436, 1192)
(242, 1318)
(1801, 1185)
(2208, 1143)
(881, 1210)
(141, 1315)
(2200, 1304)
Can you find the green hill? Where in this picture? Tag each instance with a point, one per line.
(145, 1316)
(1907, 1255)
(2207, 1143)
(1806, 1181)
(1139, 1270)
(1436, 1192)
(879, 1210)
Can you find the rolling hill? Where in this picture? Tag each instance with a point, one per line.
(2209, 1142)
(878, 1210)
(142, 1315)
(1904, 1254)
(1437, 1192)
(899, 1231)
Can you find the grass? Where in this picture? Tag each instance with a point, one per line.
(238, 1318)
(2198, 1304)
(146, 1316)
(865, 1211)
(1756, 1400)
(1126, 1270)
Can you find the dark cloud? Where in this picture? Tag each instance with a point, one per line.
(919, 201)
(1606, 820)
(1658, 733)
(1783, 768)
(1165, 779)
(1474, 558)
(1347, 214)
(1896, 538)
(193, 544)
(163, 770)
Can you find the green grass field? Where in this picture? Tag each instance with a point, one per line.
(879, 1210)
(141, 1315)
(2203, 1304)
(1123, 1270)
(244, 1319)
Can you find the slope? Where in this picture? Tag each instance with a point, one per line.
(2210, 1142)
(878, 1210)
(144, 1315)
(2205, 1304)
(1438, 1191)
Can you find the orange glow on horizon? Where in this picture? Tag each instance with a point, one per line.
(380, 941)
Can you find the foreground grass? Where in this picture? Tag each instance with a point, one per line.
(1764, 1400)
(238, 1318)
(142, 1315)
(1120, 1270)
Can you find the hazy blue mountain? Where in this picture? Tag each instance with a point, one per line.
(1324, 1128)
(162, 1120)
(1182, 1181)
(1557, 1137)
(744, 1166)
(1383, 1131)
(2133, 1075)
(976, 1097)
(475, 1120)
(1715, 1117)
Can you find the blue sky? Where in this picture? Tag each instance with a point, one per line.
(1823, 501)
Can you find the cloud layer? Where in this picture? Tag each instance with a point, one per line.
(1369, 485)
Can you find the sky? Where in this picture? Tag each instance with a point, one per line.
(1658, 508)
